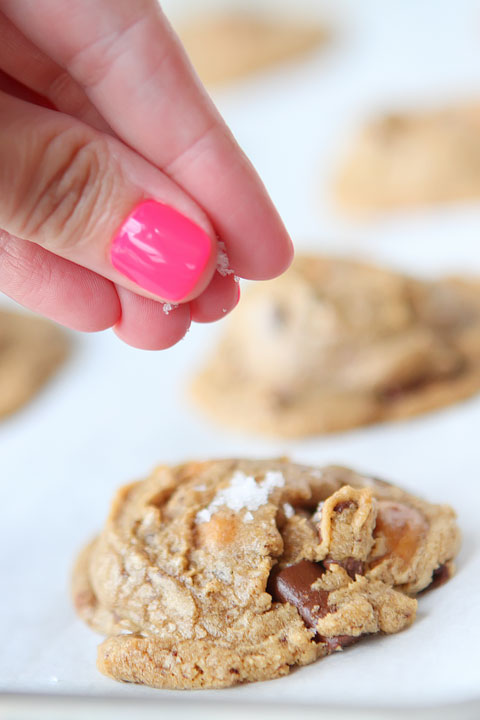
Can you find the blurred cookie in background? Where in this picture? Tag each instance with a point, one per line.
(335, 343)
(412, 159)
(225, 46)
(31, 349)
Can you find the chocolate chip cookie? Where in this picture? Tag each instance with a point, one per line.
(227, 46)
(214, 573)
(31, 349)
(412, 159)
(335, 343)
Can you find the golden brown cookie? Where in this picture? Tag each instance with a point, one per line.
(335, 343)
(412, 159)
(227, 46)
(214, 573)
(31, 349)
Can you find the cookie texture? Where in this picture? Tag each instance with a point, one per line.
(335, 343)
(31, 349)
(412, 159)
(214, 573)
(227, 46)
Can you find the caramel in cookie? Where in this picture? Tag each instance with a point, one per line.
(216, 573)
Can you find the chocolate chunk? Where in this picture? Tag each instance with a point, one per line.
(341, 506)
(293, 584)
(439, 577)
(280, 316)
(282, 399)
(351, 565)
(337, 642)
(394, 392)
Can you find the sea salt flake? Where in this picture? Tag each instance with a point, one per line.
(203, 515)
(223, 263)
(168, 307)
(317, 516)
(248, 517)
(242, 493)
(288, 510)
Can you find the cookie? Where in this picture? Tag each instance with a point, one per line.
(335, 343)
(31, 349)
(228, 46)
(214, 573)
(412, 159)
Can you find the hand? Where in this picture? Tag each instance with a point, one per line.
(101, 111)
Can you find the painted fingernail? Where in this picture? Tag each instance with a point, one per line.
(161, 250)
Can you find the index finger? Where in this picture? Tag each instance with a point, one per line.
(136, 73)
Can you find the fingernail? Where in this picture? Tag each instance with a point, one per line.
(161, 250)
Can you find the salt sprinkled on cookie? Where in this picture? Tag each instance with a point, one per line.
(243, 492)
(248, 595)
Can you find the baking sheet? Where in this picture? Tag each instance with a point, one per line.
(114, 412)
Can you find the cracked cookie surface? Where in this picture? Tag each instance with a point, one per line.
(216, 573)
(31, 349)
(412, 159)
(335, 343)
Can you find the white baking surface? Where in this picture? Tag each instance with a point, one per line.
(114, 412)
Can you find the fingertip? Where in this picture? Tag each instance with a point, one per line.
(265, 251)
(149, 325)
(220, 297)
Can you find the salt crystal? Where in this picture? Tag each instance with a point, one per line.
(223, 263)
(168, 307)
(317, 516)
(243, 492)
(203, 516)
(248, 517)
(288, 510)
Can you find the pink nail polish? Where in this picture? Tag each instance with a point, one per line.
(161, 250)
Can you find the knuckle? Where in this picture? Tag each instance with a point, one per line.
(70, 184)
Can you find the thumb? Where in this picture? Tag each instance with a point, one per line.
(86, 197)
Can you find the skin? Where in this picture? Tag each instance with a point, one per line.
(100, 108)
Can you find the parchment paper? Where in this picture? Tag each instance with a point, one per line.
(114, 412)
